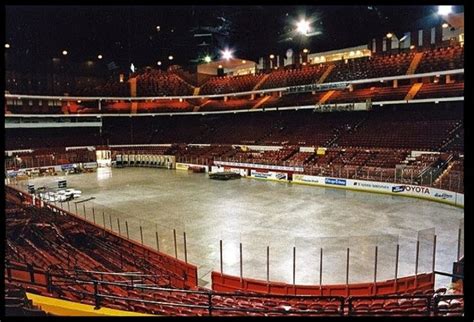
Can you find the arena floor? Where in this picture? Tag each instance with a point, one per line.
(279, 215)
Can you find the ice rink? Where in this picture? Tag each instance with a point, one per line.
(258, 214)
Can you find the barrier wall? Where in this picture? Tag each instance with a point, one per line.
(228, 283)
(242, 172)
(434, 194)
(186, 166)
(179, 267)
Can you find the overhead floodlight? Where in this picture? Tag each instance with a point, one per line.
(159, 63)
(170, 57)
(7, 45)
(132, 68)
(412, 46)
(207, 59)
(305, 50)
(389, 35)
(445, 25)
(302, 26)
(99, 57)
(64, 52)
(445, 10)
(220, 66)
(272, 56)
(226, 54)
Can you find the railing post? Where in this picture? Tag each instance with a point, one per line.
(459, 244)
(220, 257)
(210, 303)
(75, 205)
(126, 227)
(321, 271)
(375, 270)
(141, 234)
(48, 281)
(241, 266)
(347, 272)
(434, 257)
(96, 297)
(110, 221)
(84, 207)
(157, 241)
(294, 269)
(185, 248)
(103, 220)
(9, 270)
(416, 262)
(118, 225)
(175, 244)
(268, 268)
(93, 215)
(32, 272)
(396, 268)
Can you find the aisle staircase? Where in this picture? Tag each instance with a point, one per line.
(325, 74)
(325, 97)
(260, 102)
(413, 90)
(260, 82)
(414, 63)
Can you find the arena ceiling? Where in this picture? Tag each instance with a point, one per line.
(145, 35)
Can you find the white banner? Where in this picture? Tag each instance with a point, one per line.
(242, 172)
(262, 174)
(259, 166)
(89, 165)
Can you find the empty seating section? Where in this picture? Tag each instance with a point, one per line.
(371, 67)
(404, 127)
(299, 159)
(17, 304)
(374, 93)
(219, 104)
(34, 232)
(48, 157)
(202, 154)
(419, 126)
(452, 177)
(158, 83)
(430, 90)
(293, 100)
(230, 84)
(152, 82)
(443, 58)
(263, 157)
(293, 77)
(51, 137)
(357, 163)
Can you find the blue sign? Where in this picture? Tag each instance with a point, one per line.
(67, 166)
(398, 188)
(337, 182)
